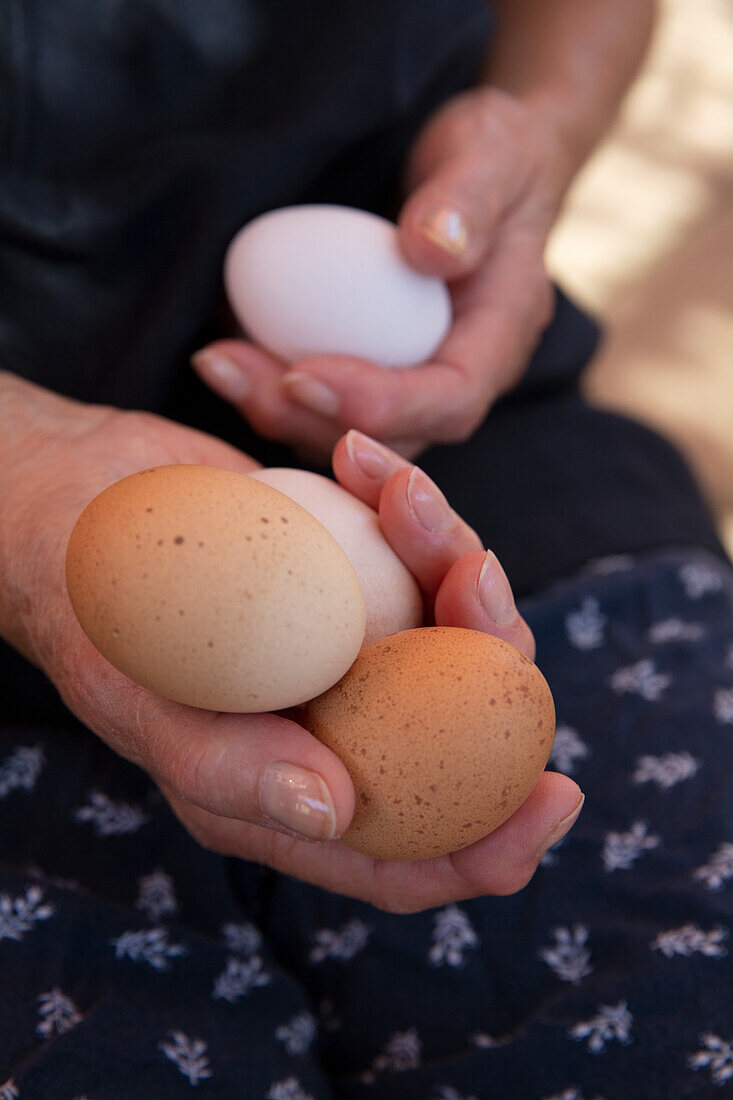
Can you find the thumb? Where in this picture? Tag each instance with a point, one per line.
(447, 225)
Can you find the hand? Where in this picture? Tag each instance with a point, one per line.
(222, 773)
(484, 183)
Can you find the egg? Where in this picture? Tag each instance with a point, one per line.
(391, 596)
(445, 732)
(322, 279)
(213, 589)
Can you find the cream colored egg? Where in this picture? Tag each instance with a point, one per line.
(213, 589)
(444, 732)
(391, 595)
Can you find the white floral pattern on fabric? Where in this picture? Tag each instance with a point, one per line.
(690, 939)
(483, 1041)
(453, 935)
(675, 630)
(610, 563)
(110, 818)
(723, 706)
(569, 957)
(150, 946)
(20, 914)
(20, 771)
(298, 1033)
(58, 1013)
(612, 1023)
(642, 679)
(716, 1056)
(239, 978)
(188, 1055)
(52, 880)
(157, 896)
(242, 939)
(567, 748)
(666, 771)
(289, 1089)
(585, 627)
(344, 944)
(718, 869)
(402, 1052)
(699, 579)
(572, 1093)
(447, 1092)
(621, 850)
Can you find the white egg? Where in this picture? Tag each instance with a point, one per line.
(391, 596)
(320, 279)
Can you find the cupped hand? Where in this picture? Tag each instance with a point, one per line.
(484, 181)
(249, 786)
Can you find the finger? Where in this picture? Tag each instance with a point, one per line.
(476, 594)
(362, 465)
(415, 516)
(250, 379)
(448, 224)
(386, 404)
(260, 768)
(422, 528)
(500, 863)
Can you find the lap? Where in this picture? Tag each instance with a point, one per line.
(138, 964)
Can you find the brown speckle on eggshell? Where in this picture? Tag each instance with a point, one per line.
(444, 731)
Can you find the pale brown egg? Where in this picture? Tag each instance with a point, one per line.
(391, 595)
(444, 731)
(214, 590)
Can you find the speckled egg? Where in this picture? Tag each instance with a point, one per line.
(214, 590)
(444, 731)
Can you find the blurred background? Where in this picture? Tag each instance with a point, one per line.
(646, 243)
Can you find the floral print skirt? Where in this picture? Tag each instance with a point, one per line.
(133, 964)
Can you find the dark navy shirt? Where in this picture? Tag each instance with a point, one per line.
(139, 135)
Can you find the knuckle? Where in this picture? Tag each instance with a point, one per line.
(187, 768)
(391, 894)
(513, 880)
(374, 417)
(206, 837)
(397, 904)
(459, 427)
(270, 421)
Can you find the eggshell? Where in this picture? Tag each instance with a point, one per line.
(444, 731)
(314, 279)
(391, 595)
(213, 589)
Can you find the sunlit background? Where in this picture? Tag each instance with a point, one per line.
(646, 242)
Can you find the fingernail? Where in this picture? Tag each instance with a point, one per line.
(298, 800)
(223, 375)
(447, 229)
(495, 592)
(557, 832)
(372, 458)
(311, 394)
(427, 503)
